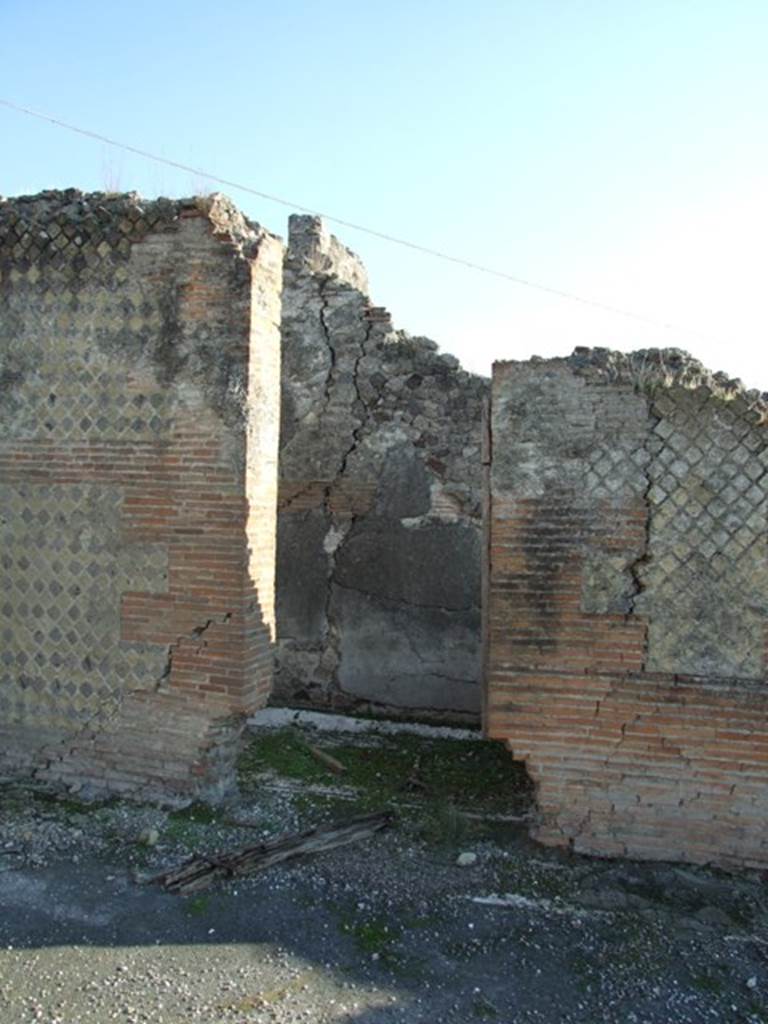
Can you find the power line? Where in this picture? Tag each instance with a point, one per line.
(426, 250)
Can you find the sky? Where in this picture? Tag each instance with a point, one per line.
(612, 149)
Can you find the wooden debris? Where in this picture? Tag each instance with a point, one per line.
(516, 901)
(512, 819)
(199, 872)
(327, 759)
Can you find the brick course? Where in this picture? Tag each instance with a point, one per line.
(626, 604)
(140, 376)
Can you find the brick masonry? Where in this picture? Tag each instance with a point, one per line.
(627, 593)
(622, 565)
(139, 382)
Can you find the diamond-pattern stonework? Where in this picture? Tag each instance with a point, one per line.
(628, 602)
(616, 468)
(75, 404)
(705, 578)
(138, 363)
(63, 569)
(88, 309)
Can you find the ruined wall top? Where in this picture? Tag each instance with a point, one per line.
(139, 389)
(130, 275)
(647, 370)
(628, 596)
(39, 228)
(313, 249)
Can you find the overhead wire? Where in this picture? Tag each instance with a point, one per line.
(363, 229)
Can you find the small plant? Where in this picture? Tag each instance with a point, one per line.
(484, 1009)
(708, 982)
(197, 906)
(184, 825)
(445, 825)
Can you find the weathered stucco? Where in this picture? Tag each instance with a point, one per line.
(628, 592)
(139, 373)
(380, 483)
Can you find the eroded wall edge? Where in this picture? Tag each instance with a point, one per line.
(628, 599)
(380, 501)
(129, 604)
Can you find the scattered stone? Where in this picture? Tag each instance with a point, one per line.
(466, 860)
(714, 916)
(535, 955)
(605, 899)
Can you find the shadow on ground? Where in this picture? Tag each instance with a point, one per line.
(387, 930)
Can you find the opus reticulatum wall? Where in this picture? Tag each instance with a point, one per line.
(627, 592)
(622, 574)
(139, 383)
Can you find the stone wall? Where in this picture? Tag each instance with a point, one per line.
(623, 560)
(380, 493)
(139, 375)
(628, 592)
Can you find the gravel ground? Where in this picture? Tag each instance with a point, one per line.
(389, 930)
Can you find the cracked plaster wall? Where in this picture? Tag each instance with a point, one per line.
(139, 375)
(627, 602)
(380, 500)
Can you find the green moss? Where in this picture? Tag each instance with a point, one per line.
(483, 1009)
(283, 751)
(378, 938)
(583, 969)
(14, 797)
(374, 935)
(708, 982)
(445, 825)
(70, 806)
(420, 921)
(197, 906)
(187, 824)
(317, 807)
(196, 813)
(430, 781)
(757, 1012)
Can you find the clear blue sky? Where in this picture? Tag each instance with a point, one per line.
(615, 149)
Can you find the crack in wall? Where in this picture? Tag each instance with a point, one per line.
(636, 567)
(362, 422)
(86, 732)
(109, 706)
(357, 431)
(333, 631)
(429, 667)
(324, 327)
(360, 390)
(196, 633)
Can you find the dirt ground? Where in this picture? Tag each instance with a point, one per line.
(392, 929)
